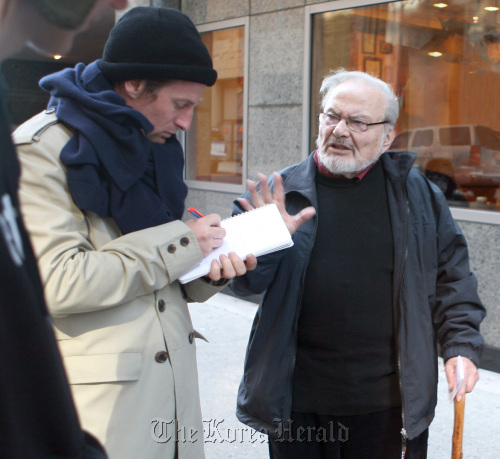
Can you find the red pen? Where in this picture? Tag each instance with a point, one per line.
(195, 212)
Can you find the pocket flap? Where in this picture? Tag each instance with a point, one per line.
(100, 368)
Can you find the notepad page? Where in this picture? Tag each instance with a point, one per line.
(258, 231)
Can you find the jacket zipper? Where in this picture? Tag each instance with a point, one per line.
(296, 320)
(404, 436)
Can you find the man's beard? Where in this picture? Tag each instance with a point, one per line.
(341, 165)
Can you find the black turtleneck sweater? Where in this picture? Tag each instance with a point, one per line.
(346, 358)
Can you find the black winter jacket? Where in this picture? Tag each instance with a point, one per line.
(435, 298)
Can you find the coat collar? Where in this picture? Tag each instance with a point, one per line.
(300, 179)
(397, 164)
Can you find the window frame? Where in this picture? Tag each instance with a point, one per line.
(470, 215)
(215, 186)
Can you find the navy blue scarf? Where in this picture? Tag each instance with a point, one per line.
(113, 169)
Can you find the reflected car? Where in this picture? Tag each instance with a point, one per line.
(463, 160)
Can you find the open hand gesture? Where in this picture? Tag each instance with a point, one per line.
(264, 196)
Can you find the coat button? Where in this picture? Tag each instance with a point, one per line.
(161, 305)
(171, 248)
(185, 241)
(161, 357)
(191, 337)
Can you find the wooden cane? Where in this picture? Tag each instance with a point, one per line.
(458, 429)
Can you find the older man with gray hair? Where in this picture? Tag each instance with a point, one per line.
(342, 358)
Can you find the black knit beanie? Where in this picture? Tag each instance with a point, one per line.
(150, 43)
(68, 14)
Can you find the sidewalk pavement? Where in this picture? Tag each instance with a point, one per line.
(226, 321)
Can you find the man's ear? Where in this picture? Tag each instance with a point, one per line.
(134, 88)
(389, 137)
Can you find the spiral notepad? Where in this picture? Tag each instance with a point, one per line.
(258, 231)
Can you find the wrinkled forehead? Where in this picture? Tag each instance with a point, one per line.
(354, 98)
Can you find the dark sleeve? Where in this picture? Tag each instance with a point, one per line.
(459, 310)
(92, 448)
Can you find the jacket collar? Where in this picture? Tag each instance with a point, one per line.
(397, 164)
(300, 179)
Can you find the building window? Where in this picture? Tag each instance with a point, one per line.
(444, 65)
(215, 144)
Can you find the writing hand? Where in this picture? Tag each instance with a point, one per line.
(208, 232)
(471, 375)
(277, 197)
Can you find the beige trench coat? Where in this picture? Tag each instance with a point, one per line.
(119, 313)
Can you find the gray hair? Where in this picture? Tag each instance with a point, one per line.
(341, 75)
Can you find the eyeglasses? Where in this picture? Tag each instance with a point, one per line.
(329, 119)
